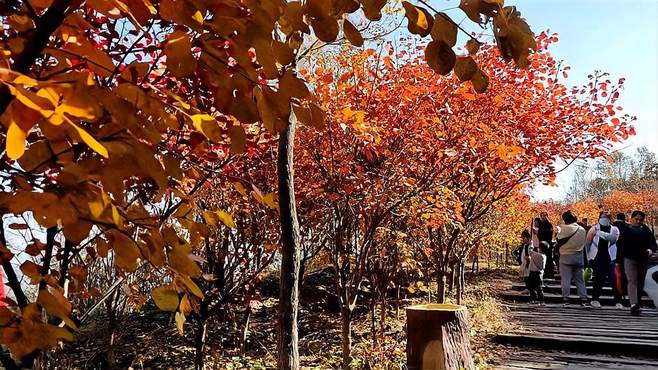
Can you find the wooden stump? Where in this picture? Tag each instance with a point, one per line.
(437, 337)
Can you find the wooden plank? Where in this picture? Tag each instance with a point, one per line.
(647, 322)
(577, 310)
(583, 344)
(594, 333)
(547, 319)
(555, 298)
(571, 357)
(639, 333)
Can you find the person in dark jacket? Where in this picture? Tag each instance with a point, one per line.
(636, 243)
(545, 234)
(620, 221)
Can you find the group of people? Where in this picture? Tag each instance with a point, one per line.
(612, 253)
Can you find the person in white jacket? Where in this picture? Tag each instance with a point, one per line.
(651, 282)
(602, 255)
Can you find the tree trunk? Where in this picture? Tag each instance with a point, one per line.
(397, 301)
(460, 282)
(346, 321)
(373, 326)
(440, 287)
(287, 346)
(110, 355)
(507, 252)
(302, 269)
(437, 337)
(200, 336)
(451, 279)
(382, 318)
(245, 333)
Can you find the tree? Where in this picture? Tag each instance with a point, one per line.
(103, 103)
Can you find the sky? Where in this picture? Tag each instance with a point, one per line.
(620, 37)
(615, 36)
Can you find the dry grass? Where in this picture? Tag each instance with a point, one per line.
(150, 339)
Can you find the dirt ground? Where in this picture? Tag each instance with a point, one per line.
(149, 340)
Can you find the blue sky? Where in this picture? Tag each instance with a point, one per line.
(620, 37)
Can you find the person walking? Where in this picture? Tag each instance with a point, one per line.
(620, 221)
(571, 239)
(535, 232)
(622, 283)
(537, 260)
(601, 249)
(634, 247)
(522, 256)
(545, 233)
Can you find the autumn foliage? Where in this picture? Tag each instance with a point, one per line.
(141, 134)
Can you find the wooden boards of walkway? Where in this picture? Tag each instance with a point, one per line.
(535, 359)
(584, 331)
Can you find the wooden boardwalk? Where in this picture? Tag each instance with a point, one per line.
(575, 337)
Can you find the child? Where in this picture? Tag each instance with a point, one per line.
(537, 262)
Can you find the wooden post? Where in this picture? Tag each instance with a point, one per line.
(437, 337)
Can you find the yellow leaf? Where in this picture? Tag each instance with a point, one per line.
(179, 260)
(56, 304)
(89, 140)
(238, 139)
(210, 218)
(207, 125)
(240, 188)
(165, 297)
(185, 306)
(270, 201)
(226, 219)
(191, 286)
(15, 141)
(420, 20)
(31, 270)
(96, 208)
(197, 16)
(180, 322)
(125, 250)
(32, 100)
(178, 50)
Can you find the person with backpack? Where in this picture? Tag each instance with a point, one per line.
(601, 249)
(636, 243)
(571, 239)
